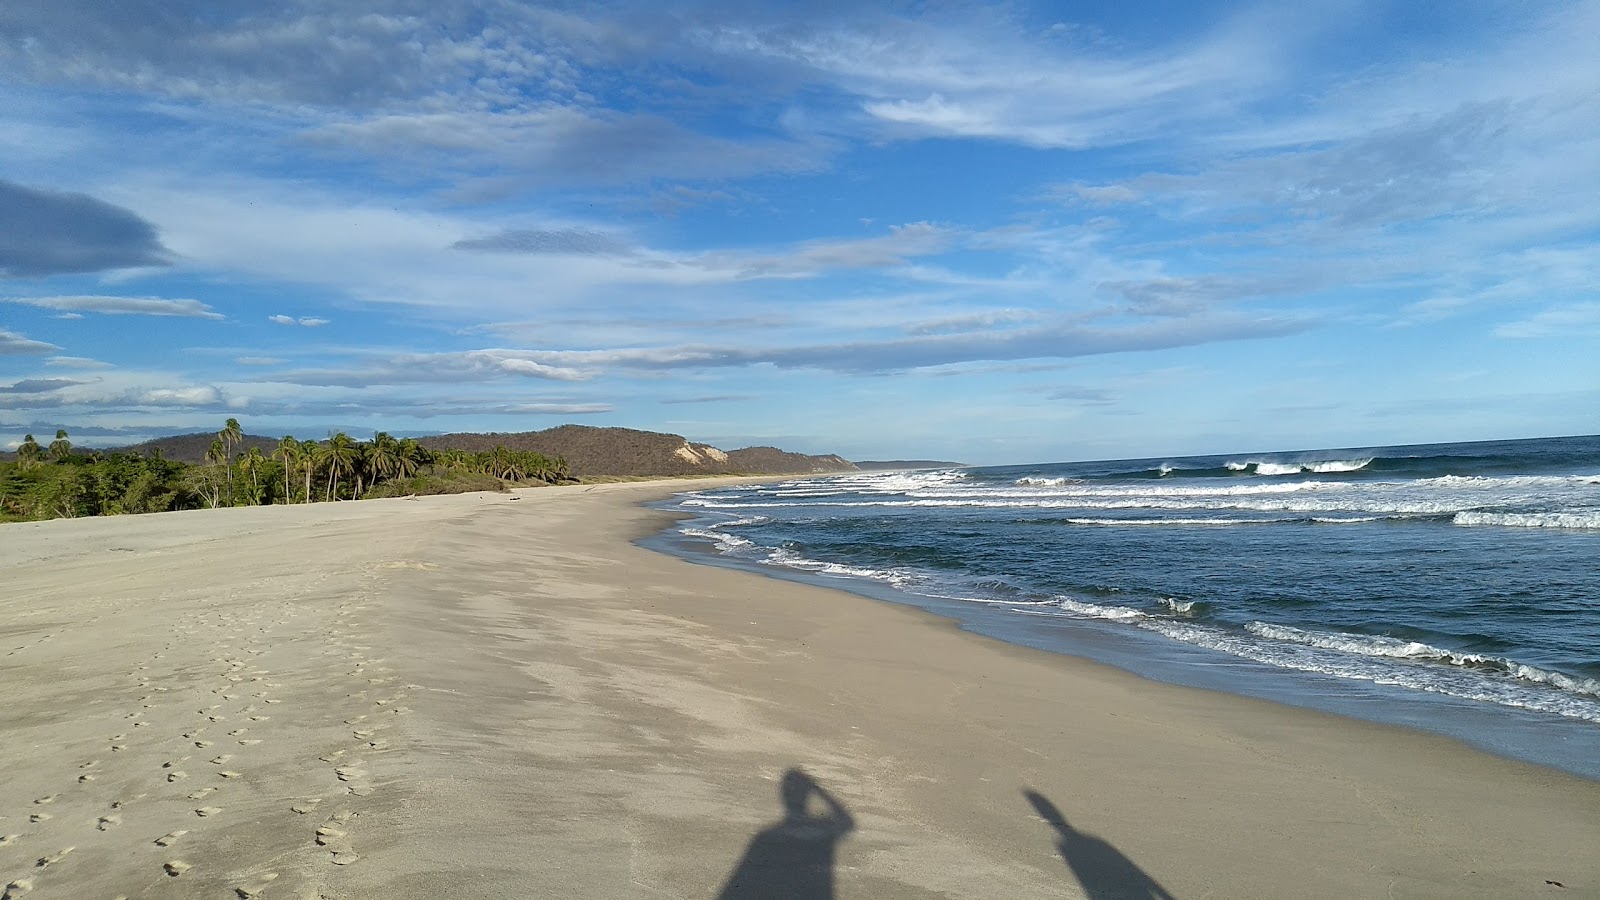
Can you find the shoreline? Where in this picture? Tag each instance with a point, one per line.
(1568, 746)
(495, 698)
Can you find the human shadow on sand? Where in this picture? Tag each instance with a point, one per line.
(792, 859)
(1100, 868)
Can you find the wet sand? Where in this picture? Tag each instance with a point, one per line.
(481, 696)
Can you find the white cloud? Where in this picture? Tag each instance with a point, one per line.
(76, 362)
(303, 321)
(135, 306)
(978, 79)
(14, 344)
(472, 366)
(1575, 320)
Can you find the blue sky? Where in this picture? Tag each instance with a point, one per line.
(987, 232)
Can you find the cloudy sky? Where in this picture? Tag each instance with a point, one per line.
(986, 232)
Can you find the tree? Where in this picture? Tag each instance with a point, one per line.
(340, 453)
(409, 457)
(251, 461)
(60, 448)
(310, 455)
(289, 451)
(29, 452)
(230, 433)
(381, 458)
(505, 463)
(209, 483)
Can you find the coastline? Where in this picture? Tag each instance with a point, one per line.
(1569, 746)
(492, 698)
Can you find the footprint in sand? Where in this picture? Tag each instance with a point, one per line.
(205, 811)
(36, 818)
(16, 889)
(254, 887)
(46, 862)
(202, 793)
(175, 867)
(106, 823)
(8, 838)
(170, 838)
(45, 801)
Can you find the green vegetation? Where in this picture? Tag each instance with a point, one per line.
(56, 481)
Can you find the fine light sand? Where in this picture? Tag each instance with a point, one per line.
(481, 696)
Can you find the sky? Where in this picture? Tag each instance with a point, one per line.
(993, 233)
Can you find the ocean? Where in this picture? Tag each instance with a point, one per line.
(1449, 587)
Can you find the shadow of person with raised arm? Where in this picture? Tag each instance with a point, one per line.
(1102, 870)
(792, 859)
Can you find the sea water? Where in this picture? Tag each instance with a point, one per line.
(1451, 587)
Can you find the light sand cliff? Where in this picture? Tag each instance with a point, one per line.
(480, 696)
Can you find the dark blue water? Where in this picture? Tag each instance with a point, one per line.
(1454, 587)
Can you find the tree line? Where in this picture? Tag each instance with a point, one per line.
(54, 481)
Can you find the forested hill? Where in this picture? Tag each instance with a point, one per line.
(587, 450)
(191, 448)
(626, 451)
(879, 465)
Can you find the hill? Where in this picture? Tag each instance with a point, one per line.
(587, 450)
(191, 448)
(880, 465)
(626, 451)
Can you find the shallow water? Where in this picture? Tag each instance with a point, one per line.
(1452, 587)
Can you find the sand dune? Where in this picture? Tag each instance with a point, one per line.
(478, 697)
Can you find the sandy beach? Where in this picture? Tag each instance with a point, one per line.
(487, 696)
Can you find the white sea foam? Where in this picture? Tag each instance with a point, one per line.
(1571, 518)
(1395, 648)
(1179, 606)
(1467, 684)
(1325, 467)
(725, 542)
(793, 560)
(1096, 611)
(1155, 523)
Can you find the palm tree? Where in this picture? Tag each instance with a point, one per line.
(340, 454)
(453, 460)
(289, 451)
(60, 448)
(408, 457)
(251, 461)
(506, 463)
(29, 451)
(216, 454)
(381, 456)
(230, 432)
(310, 456)
(359, 461)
